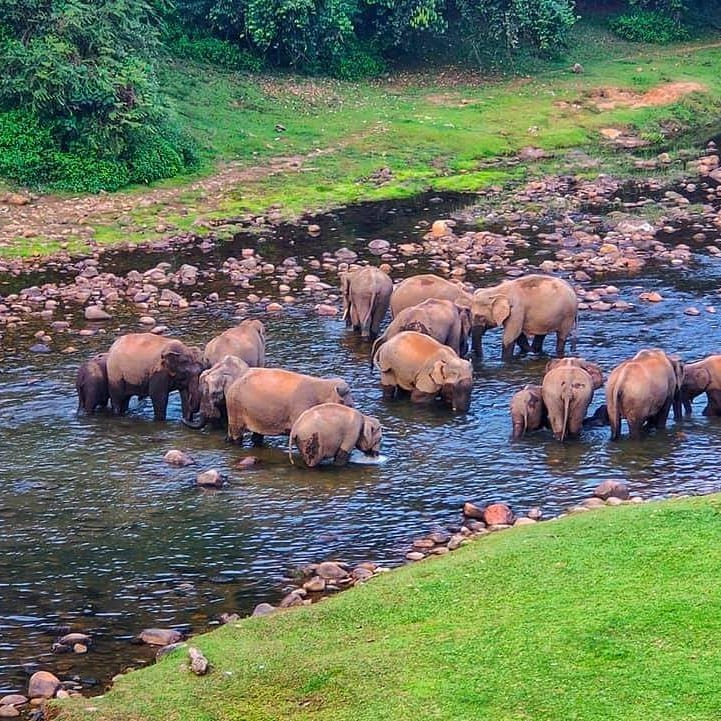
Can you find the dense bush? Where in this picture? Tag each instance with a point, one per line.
(649, 26)
(215, 51)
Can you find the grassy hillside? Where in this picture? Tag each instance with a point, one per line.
(611, 614)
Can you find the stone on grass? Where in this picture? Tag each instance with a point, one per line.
(43, 684)
(606, 489)
(498, 514)
(198, 663)
(415, 556)
(263, 609)
(9, 712)
(315, 584)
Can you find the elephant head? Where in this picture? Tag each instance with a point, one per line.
(369, 440)
(464, 315)
(695, 381)
(450, 376)
(593, 369)
(213, 386)
(341, 393)
(488, 310)
(184, 365)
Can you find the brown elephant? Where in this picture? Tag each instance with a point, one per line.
(415, 362)
(443, 320)
(528, 411)
(531, 305)
(245, 341)
(703, 376)
(331, 430)
(593, 369)
(642, 390)
(91, 384)
(145, 364)
(268, 401)
(366, 295)
(213, 387)
(417, 288)
(567, 391)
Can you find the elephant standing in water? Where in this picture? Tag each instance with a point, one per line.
(531, 305)
(245, 341)
(91, 383)
(331, 430)
(528, 411)
(213, 388)
(642, 390)
(415, 362)
(703, 376)
(443, 320)
(268, 401)
(366, 294)
(417, 288)
(567, 391)
(145, 364)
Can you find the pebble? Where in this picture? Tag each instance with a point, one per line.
(211, 478)
(415, 556)
(160, 636)
(175, 457)
(96, 313)
(692, 311)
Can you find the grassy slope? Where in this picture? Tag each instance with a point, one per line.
(435, 134)
(612, 614)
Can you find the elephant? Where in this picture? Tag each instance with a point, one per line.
(91, 383)
(642, 390)
(415, 362)
(331, 430)
(443, 320)
(703, 376)
(593, 369)
(530, 305)
(268, 401)
(417, 288)
(366, 295)
(567, 391)
(213, 387)
(598, 419)
(528, 411)
(145, 364)
(245, 341)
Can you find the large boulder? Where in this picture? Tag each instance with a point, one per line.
(160, 636)
(43, 684)
(498, 514)
(609, 489)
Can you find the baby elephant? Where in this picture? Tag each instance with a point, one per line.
(91, 383)
(528, 411)
(330, 430)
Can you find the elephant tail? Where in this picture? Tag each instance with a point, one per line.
(566, 408)
(290, 448)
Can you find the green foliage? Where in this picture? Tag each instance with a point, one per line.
(26, 148)
(153, 155)
(215, 51)
(81, 173)
(357, 63)
(649, 26)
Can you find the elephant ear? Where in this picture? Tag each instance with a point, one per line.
(171, 359)
(552, 364)
(370, 429)
(594, 370)
(679, 369)
(500, 309)
(430, 380)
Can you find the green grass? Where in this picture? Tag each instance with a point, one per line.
(611, 614)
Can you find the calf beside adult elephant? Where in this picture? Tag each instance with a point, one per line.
(331, 430)
(643, 390)
(528, 411)
(366, 295)
(703, 376)
(417, 288)
(530, 305)
(245, 341)
(145, 364)
(444, 320)
(268, 401)
(91, 383)
(412, 361)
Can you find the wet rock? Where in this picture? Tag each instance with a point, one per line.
(211, 478)
(327, 310)
(315, 585)
(291, 600)
(147, 320)
(497, 514)
(422, 543)
(274, 307)
(524, 521)
(80, 648)
(608, 489)
(9, 712)
(535, 513)
(43, 684)
(346, 255)
(96, 313)
(652, 297)
(13, 699)
(160, 636)
(471, 510)
(455, 541)
(166, 650)
(439, 229)
(263, 609)
(198, 663)
(174, 457)
(70, 639)
(379, 246)
(313, 229)
(692, 311)
(331, 571)
(475, 526)
(40, 348)
(188, 274)
(229, 618)
(360, 574)
(247, 462)
(415, 556)
(613, 501)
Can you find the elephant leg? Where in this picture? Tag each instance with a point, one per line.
(341, 458)
(635, 428)
(713, 406)
(476, 342)
(537, 346)
(659, 421)
(522, 341)
(118, 399)
(389, 392)
(421, 397)
(507, 352)
(560, 344)
(256, 439)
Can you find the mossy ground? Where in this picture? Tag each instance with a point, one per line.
(611, 614)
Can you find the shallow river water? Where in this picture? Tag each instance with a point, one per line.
(99, 535)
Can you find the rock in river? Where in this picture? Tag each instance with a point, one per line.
(160, 636)
(43, 684)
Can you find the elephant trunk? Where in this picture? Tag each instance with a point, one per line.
(196, 425)
(477, 332)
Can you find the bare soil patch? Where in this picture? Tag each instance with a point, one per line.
(610, 98)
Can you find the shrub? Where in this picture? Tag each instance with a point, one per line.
(81, 173)
(649, 26)
(216, 52)
(26, 148)
(357, 63)
(154, 154)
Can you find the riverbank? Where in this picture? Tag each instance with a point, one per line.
(281, 147)
(606, 614)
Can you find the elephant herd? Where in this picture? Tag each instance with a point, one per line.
(421, 354)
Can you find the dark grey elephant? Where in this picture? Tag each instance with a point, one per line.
(91, 384)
